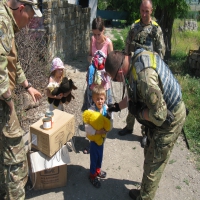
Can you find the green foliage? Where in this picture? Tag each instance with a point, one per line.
(182, 42)
(124, 32)
(172, 161)
(103, 4)
(178, 187)
(186, 181)
(191, 95)
(132, 7)
(175, 8)
(118, 43)
(193, 15)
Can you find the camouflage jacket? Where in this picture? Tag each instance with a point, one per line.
(154, 85)
(148, 36)
(10, 68)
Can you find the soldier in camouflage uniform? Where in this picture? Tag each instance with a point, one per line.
(156, 102)
(14, 15)
(144, 33)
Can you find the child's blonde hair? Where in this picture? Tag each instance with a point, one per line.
(52, 74)
(98, 90)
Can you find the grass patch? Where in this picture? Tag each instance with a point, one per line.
(191, 95)
(178, 187)
(182, 42)
(118, 43)
(172, 161)
(186, 181)
(120, 38)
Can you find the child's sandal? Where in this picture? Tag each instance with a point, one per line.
(102, 174)
(95, 182)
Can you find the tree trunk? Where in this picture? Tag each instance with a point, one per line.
(165, 20)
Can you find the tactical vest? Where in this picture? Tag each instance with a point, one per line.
(170, 87)
(144, 36)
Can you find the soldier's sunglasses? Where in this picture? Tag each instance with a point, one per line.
(18, 7)
(114, 79)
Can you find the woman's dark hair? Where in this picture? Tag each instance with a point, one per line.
(98, 23)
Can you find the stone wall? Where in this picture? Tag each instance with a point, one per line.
(67, 27)
(189, 25)
(194, 61)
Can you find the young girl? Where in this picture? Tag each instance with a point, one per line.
(96, 150)
(55, 78)
(100, 47)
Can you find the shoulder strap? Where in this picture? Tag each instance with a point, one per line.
(137, 21)
(154, 23)
(127, 82)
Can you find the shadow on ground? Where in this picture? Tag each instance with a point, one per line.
(81, 142)
(79, 187)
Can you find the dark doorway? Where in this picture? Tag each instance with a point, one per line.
(84, 3)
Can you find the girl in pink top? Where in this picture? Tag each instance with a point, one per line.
(99, 42)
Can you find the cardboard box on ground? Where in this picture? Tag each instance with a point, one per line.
(48, 173)
(50, 141)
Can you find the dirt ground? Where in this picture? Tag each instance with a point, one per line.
(123, 158)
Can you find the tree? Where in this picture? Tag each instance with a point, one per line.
(166, 12)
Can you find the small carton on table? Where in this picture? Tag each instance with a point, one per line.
(47, 173)
(50, 141)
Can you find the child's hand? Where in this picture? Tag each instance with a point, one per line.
(102, 131)
(59, 96)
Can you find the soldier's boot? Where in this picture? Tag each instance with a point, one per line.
(134, 193)
(2, 196)
(125, 131)
(144, 141)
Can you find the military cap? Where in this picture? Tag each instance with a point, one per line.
(34, 5)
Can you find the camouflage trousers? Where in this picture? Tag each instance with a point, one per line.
(157, 152)
(130, 121)
(13, 161)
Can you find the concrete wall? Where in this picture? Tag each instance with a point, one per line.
(189, 25)
(93, 7)
(67, 27)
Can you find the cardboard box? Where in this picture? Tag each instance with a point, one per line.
(50, 141)
(47, 173)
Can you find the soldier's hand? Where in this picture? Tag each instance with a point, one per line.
(36, 95)
(113, 107)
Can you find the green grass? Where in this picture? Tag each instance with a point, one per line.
(178, 187)
(172, 161)
(190, 85)
(182, 42)
(186, 181)
(118, 43)
(191, 95)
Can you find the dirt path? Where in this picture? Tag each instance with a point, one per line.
(123, 159)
